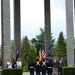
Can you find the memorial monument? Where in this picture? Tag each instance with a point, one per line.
(5, 25)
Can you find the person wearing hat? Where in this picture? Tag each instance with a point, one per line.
(31, 66)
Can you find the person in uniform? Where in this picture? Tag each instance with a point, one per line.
(37, 67)
(49, 67)
(31, 66)
(43, 67)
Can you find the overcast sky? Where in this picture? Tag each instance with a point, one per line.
(32, 17)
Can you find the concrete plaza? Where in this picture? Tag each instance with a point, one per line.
(27, 73)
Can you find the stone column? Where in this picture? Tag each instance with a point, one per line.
(74, 24)
(17, 34)
(47, 25)
(70, 32)
(74, 10)
(5, 26)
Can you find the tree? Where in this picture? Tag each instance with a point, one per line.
(60, 48)
(37, 42)
(28, 51)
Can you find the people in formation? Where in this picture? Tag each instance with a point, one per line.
(52, 66)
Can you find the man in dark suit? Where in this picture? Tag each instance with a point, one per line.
(31, 66)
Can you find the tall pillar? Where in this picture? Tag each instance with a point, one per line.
(47, 26)
(17, 34)
(5, 24)
(70, 32)
(74, 10)
(74, 24)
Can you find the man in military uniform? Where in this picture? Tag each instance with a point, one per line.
(31, 66)
(43, 67)
(49, 66)
(37, 67)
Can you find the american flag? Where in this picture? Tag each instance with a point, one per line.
(43, 52)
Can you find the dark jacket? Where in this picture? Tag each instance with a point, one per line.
(43, 66)
(49, 66)
(14, 63)
(60, 63)
(37, 66)
(31, 66)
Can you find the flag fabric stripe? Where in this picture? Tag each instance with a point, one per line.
(43, 52)
(18, 52)
(40, 56)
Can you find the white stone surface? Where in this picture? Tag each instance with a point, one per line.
(70, 32)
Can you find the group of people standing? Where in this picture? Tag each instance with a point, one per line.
(49, 66)
(12, 63)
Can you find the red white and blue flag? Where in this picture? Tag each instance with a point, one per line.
(43, 52)
(18, 52)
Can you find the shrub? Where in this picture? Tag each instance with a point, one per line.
(13, 71)
(25, 69)
(68, 70)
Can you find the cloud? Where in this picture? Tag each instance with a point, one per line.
(32, 18)
(0, 23)
(57, 12)
(58, 19)
(32, 10)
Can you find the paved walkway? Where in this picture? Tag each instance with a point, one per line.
(27, 73)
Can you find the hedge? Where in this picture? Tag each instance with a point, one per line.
(25, 69)
(68, 70)
(13, 71)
